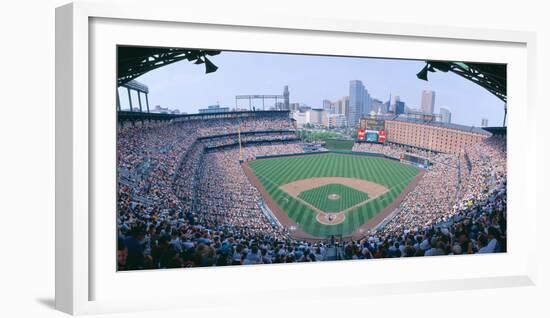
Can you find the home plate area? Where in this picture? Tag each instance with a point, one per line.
(332, 197)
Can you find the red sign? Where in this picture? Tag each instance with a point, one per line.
(382, 136)
(361, 134)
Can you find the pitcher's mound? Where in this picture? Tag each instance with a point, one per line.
(330, 218)
(333, 196)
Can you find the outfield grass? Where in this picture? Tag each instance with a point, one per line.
(275, 172)
(339, 144)
(319, 197)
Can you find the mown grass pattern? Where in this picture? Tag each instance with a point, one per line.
(319, 197)
(275, 172)
(336, 144)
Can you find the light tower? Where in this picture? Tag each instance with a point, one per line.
(286, 95)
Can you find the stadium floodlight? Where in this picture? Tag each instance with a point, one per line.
(136, 61)
(490, 76)
(423, 74)
(210, 67)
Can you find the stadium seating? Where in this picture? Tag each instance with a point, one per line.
(184, 200)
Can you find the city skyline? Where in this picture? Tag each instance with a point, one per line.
(312, 79)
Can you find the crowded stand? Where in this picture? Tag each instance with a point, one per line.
(389, 150)
(474, 198)
(184, 200)
(233, 139)
(227, 197)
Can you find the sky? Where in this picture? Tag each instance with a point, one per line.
(311, 79)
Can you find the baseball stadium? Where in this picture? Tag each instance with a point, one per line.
(243, 187)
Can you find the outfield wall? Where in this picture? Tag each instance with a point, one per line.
(341, 152)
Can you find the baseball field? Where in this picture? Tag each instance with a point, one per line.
(330, 194)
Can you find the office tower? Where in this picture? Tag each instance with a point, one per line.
(359, 102)
(344, 106)
(367, 103)
(484, 122)
(428, 102)
(294, 106)
(445, 115)
(399, 107)
(356, 90)
(377, 106)
(337, 107)
(394, 99)
(327, 105)
(301, 118)
(286, 95)
(387, 107)
(318, 116)
(336, 120)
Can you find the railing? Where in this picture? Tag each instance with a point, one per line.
(123, 116)
(270, 216)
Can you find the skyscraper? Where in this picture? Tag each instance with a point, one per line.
(428, 101)
(356, 90)
(286, 95)
(339, 106)
(327, 105)
(359, 102)
(445, 115)
(367, 103)
(399, 107)
(393, 100)
(344, 104)
(484, 122)
(387, 107)
(377, 106)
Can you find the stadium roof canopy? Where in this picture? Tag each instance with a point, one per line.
(134, 61)
(490, 76)
(132, 116)
(135, 85)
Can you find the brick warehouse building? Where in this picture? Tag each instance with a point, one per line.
(433, 136)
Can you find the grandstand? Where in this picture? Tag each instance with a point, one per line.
(184, 199)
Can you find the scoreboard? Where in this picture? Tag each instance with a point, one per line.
(372, 129)
(370, 123)
(375, 136)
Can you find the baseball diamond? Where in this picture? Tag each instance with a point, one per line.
(333, 197)
(353, 187)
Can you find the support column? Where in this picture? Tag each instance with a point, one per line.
(117, 100)
(147, 101)
(139, 101)
(130, 98)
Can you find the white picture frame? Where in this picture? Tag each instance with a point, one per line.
(79, 28)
